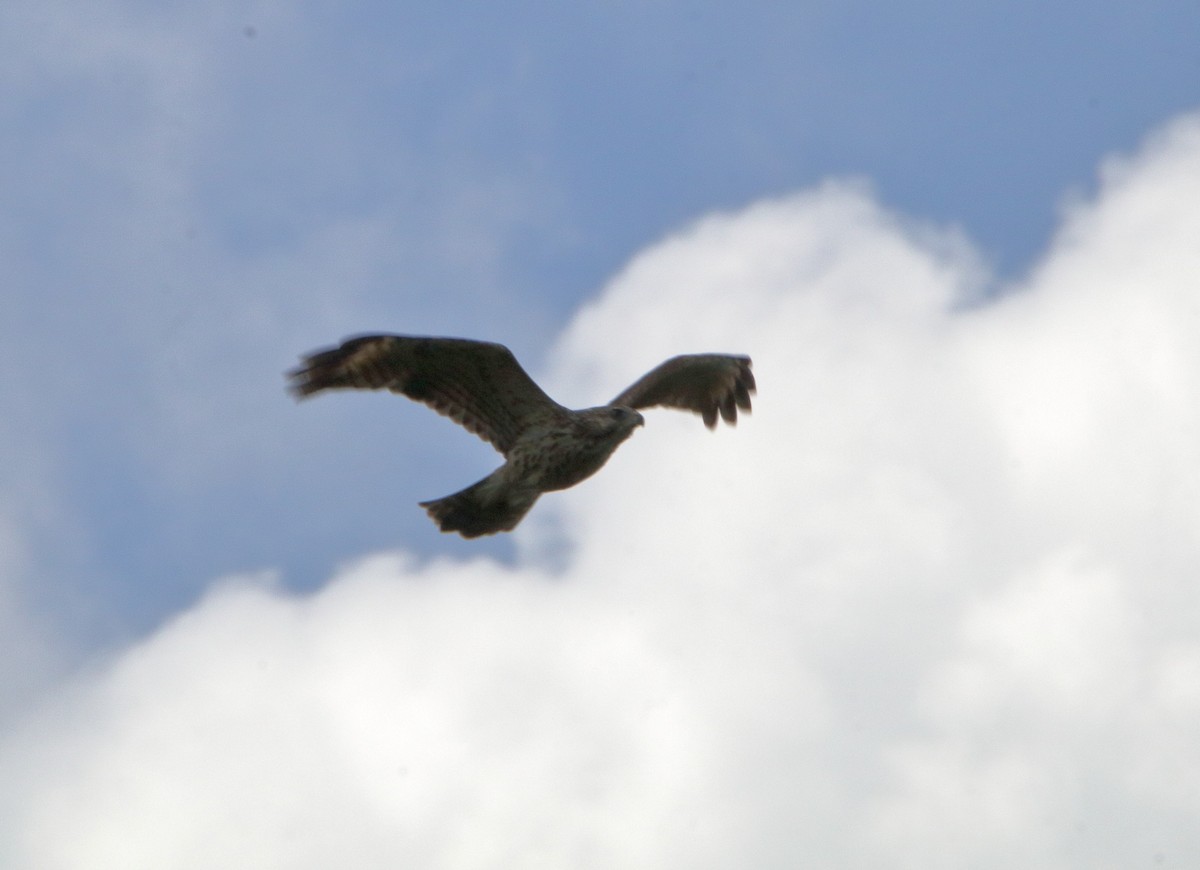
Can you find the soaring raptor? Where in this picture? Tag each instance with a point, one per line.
(548, 447)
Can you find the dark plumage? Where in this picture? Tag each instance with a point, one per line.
(548, 447)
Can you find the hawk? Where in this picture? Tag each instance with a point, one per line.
(547, 447)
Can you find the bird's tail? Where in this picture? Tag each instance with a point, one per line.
(484, 508)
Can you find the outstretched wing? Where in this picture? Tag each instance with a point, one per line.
(475, 383)
(705, 383)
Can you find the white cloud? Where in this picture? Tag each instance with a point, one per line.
(30, 653)
(28, 656)
(932, 605)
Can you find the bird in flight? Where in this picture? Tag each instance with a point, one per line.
(481, 386)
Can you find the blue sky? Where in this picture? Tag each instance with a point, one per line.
(195, 196)
(482, 173)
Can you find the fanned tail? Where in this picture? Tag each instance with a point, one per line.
(484, 508)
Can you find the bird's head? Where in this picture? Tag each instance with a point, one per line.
(625, 419)
(611, 422)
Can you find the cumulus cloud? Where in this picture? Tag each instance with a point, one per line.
(932, 605)
(28, 655)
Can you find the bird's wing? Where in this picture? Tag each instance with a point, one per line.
(705, 383)
(475, 383)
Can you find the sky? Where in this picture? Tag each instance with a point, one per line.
(933, 604)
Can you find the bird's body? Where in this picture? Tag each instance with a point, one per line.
(548, 447)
